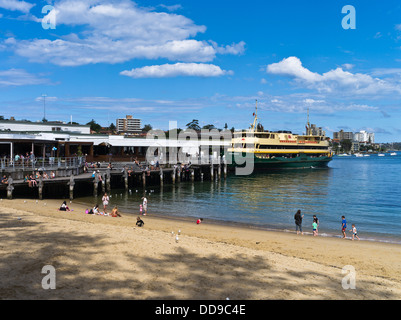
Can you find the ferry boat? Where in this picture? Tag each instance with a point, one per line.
(281, 149)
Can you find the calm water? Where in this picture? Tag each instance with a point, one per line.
(366, 190)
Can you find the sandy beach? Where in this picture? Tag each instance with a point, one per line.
(99, 257)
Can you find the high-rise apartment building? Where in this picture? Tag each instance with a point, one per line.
(364, 137)
(128, 125)
(343, 135)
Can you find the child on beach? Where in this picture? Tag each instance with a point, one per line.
(105, 200)
(314, 226)
(199, 221)
(354, 232)
(64, 207)
(114, 213)
(343, 226)
(145, 205)
(316, 220)
(139, 222)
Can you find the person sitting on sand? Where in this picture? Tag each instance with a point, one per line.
(64, 207)
(114, 213)
(95, 209)
(199, 221)
(139, 222)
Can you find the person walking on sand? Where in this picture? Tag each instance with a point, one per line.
(105, 200)
(298, 222)
(343, 226)
(354, 233)
(316, 220)
(145, 205)
(314, 227)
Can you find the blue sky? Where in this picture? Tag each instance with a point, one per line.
(178, 60)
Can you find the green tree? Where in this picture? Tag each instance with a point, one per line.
(194, 125)
(94, 126)
(346, 145)
(147, 127)
(209, 127)
(112, 127)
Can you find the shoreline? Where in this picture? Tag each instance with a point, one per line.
(368, 236)
(207, 259)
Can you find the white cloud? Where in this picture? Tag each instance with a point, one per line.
(15, 5)
(19, 77)
(348, 66)
(171, 8)
(292, 66)
(235, 48)
(119, 31)
(175, 70)
(333, 81)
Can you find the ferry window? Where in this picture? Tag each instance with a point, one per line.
(273, 136)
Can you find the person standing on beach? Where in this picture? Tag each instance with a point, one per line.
(343, 226)
(298, 222)
(105, 200)
(145, 205)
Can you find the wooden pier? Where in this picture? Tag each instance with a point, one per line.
(77, 180)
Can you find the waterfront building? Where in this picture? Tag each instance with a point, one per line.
(364, 137)
(100, 147)
(128, 125)
(49, 126)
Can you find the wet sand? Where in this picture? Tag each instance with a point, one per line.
(100, 257)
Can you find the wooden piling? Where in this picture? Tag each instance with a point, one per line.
(40, 188)
(10, 188)
(95, 185)
(71, 186)
(108, 176)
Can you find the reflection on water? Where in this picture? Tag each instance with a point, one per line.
(362, 189)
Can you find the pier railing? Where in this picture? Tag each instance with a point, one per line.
(41, 163)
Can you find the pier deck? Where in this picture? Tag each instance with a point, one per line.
(103, 179)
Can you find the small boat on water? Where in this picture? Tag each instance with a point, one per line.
(393, 154)
(381, 155)
(358, 155)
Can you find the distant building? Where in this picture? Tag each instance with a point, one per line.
(49, 126)
(343, 135)
(317, 131)
(128, 125)
(364, 137)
